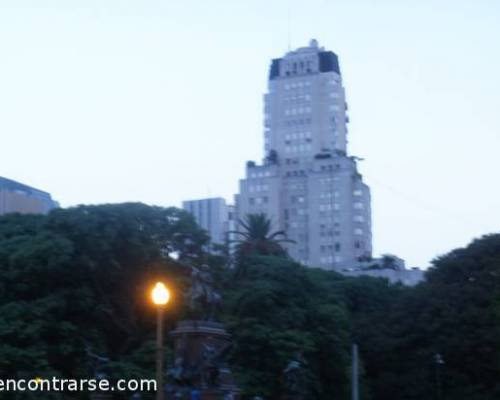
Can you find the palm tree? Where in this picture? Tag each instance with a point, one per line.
(257, 237)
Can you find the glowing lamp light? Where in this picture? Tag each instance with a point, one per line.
(160, 294)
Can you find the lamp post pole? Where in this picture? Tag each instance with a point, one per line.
(355, 373)
(159, 353)
(160, 296)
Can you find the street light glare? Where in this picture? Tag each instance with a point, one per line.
(160, 294)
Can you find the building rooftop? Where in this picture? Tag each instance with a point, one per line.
(13, 186)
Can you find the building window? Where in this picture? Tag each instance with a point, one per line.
(358, 218)
(358, 206)
(358, 231)
(337, 247)
(358, 192)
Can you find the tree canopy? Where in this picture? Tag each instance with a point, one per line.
(78, 279)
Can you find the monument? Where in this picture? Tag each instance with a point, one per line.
(200, 370)
(99, 368)
(293, 378)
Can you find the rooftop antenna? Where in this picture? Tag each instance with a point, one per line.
(289, 26)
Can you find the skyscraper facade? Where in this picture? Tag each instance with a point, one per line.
(308, 184)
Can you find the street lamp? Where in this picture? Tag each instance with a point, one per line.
(160, 296)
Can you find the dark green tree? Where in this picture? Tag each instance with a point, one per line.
(257, 238)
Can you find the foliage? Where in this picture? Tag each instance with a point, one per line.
(281, 308)
(257, 238)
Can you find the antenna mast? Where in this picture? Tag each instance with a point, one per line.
(289, 26)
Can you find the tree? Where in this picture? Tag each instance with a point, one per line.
(77, 278)
(257, 237)
(281, 308)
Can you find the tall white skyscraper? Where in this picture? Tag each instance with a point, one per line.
(307, 184)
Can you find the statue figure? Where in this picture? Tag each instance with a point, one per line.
(177, 372)
(98, 364)
(210, 369)
(180, 374)
(228, 395)
(293, 374)
(211, 362)
(202, 295)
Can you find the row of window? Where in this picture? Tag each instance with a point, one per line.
(258, 200)
(330, 259)
(329, 233)
(297, 99)
(328, 181)
(329, 195)
(260, 174)
(298, 84)
(331, 247)
(298, 135)
(329, 206)
(297, 122)
(289, 174)
(258, 188)
(299, 148)
(329, 167)
(299, 110)
(295, 211)
(297, 199)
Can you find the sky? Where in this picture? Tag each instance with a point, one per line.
(160, 101)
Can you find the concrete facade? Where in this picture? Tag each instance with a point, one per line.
(307, 184)
(16, 197)
(213, 215)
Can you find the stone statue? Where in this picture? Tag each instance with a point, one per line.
(293, 374)
(178, 371)
(98, 364)
(228, 395)
(212, 361)
(210, 369)
(202, 295)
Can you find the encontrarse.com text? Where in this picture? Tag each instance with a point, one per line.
(76, 385)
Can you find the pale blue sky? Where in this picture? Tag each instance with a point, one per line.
(160, 101)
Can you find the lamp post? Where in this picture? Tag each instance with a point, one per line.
(160, 296)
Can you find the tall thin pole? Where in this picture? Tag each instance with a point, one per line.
(289, 26)
(355, 373)
(159, 354)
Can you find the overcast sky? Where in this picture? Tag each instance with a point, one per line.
(161, 101)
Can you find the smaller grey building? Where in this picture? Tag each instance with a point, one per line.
(213, 215)
(17, 197)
